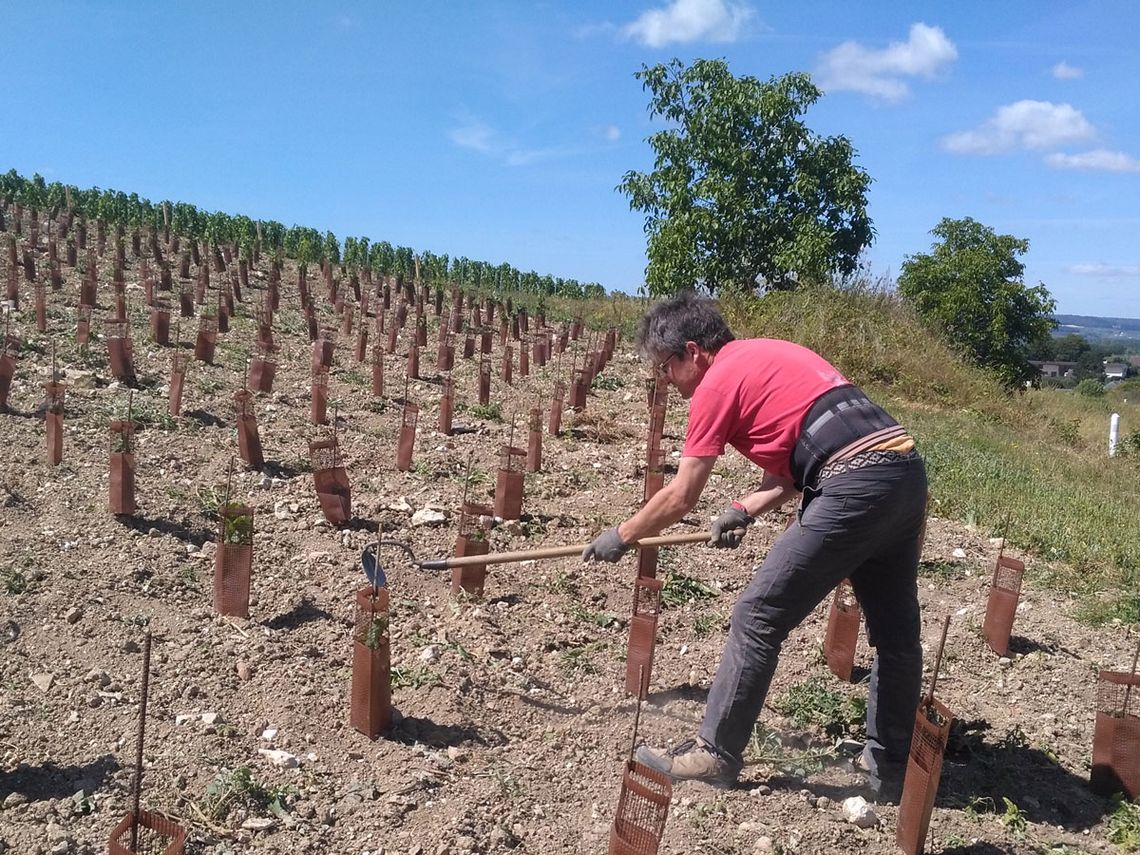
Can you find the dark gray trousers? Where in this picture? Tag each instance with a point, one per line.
(865, 525)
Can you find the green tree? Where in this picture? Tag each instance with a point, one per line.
(971, 286)
(743, 194)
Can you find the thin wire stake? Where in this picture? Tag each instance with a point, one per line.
(1132, 674)
(938, 660)
(637, 711)
(1004, 530)
(229, 477)
(139, 746)
(130, 422)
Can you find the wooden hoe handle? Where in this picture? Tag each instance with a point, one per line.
(556, 552)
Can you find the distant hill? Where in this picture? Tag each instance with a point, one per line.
(1097, 329)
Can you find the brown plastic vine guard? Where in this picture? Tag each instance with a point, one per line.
(505, 372)
(207, 340)
(555, 423)
(8, 368)
(378, 370)
(445, 353)
(361, 352)
(472, 540)
(41, 306)
(578, 387)
(484, 383)
(179, 359)
(509, 483)
(406, 444)
(412, 368)
(642, 635)
(249, 440)
(1001, 608)
(371, 706)
(319, 396)
(83, 326)
(122, 475)
(119, 350)
(54, 396)
(233, 560)
(263, 369)
(924, 764)
(160, 322)
(331, 480)
(643, 807)
(534, 440)
(842, 631)
(1116, 737)
(446, 406)
(156, 835)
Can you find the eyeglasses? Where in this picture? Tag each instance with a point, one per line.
(663, 366)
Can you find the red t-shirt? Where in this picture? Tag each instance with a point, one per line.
(754, 397)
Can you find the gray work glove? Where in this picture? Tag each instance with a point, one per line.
(729, 528)
(607, 546)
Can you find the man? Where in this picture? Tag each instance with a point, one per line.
(864, 492)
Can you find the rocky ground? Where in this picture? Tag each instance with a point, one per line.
(512, 721)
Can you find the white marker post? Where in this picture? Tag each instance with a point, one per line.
(1113, 433)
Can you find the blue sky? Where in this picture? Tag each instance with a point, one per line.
(498, 130)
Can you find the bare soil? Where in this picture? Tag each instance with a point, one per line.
(513, 722)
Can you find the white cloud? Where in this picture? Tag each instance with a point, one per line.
(474, 135)
(612, 133)
(1107, 271)
(1099, 159)
(1063, 71)
(927, 52)
(1023, 125)
(689, 21)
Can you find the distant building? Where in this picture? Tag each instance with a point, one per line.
(1116, 370)
(1054, 367)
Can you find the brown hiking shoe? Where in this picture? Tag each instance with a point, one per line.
(691, 760)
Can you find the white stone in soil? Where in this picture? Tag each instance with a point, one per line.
(43, 682)
(959, 552)
(280, 759)
(860, 814)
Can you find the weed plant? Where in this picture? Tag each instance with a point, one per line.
(815, 703)
(233, 788)
(1124, 825)
(680, 589)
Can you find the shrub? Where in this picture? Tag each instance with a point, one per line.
(1090, 388)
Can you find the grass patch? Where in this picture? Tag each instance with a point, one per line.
(579, 659)
(600, 619)
(563, 583)
(680, 589)
(942, 571)
(14, 581)
(353, 377)
(1124, 826)
(767, 748)
(815, 703)
(1065, 507)
(706, 625)
(415, 677)
(492, 412)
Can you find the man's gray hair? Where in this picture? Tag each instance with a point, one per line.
(668, 325)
